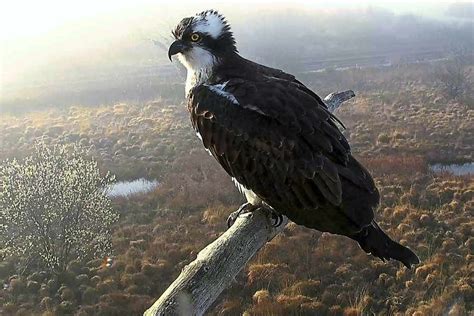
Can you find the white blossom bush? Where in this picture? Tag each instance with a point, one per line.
(54, 208)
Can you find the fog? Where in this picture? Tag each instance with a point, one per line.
(53, 54)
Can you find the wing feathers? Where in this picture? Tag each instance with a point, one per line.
(277, 141)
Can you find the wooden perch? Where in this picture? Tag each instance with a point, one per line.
(214, 269)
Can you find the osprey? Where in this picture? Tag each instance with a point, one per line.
(276, 139)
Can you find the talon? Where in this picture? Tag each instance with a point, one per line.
(244, 208)
(277, 217)
(248, 208)
(230, 221)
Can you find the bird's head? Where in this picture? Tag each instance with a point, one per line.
(202, 40)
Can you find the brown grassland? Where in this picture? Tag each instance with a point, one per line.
(399, 123)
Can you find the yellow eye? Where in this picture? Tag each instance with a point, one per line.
(195, 37)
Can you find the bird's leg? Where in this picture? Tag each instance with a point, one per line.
(244, 208)
(248, 208)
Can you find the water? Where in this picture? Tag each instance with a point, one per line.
(456, 169)
(129, 188)
(375, 61)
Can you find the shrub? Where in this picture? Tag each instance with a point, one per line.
(309, 288)
(261, 296)
(231, 307)
(262, 275)
(453, 77)
(53, 207)
(89, 296)
(46, 303)
(33, 286)
(65, 308)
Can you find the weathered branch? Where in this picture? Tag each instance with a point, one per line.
(203, 280)
(335, 99)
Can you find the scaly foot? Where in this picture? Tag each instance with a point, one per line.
(248, 208)
(244, 208)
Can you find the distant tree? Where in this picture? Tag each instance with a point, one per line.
(453, 75)
(54, 208)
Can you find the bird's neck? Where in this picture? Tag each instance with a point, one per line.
(200, 65)
(196, 77)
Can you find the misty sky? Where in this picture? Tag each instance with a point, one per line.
(30, 18)
(35, 34)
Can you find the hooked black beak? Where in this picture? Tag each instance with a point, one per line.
(178, 46)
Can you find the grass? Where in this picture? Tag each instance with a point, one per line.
(395, 128)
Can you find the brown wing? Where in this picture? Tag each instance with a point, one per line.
(278, 141)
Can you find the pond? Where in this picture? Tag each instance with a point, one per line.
(456, 169)
(129, 188)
